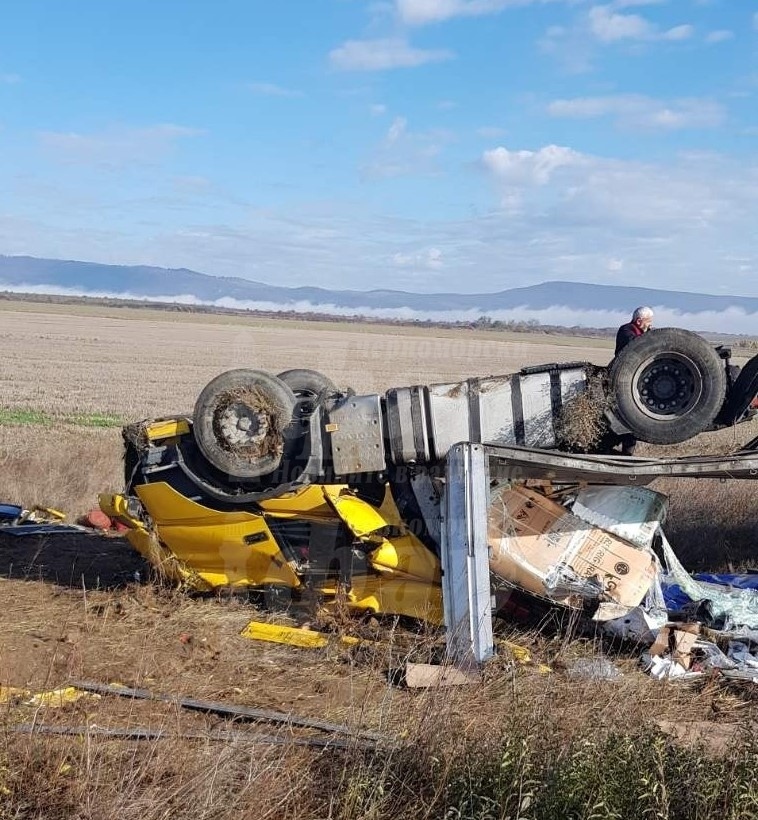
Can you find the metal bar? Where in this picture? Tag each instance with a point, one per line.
(226, 709)
(465, 559)
(141, 733)
(520, 463)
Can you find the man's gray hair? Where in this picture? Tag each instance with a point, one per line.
(643, 312)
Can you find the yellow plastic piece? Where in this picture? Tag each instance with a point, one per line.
(222, 549)
(167, 429)
(53, 699)
(115, 506)
(51, 511)
(9, 694)
(402, 553)
(305, 638)
(393, 596)
(308, 504)
(520, 653)
(59, 697)
(523, 656)
(362, 519)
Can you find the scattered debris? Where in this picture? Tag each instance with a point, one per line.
(522, 656)
(676, 642)
(539, 546)
(16, 521)
(593, 669)
(96, 519)
(432, 676)
(53, 699)
(306, 638)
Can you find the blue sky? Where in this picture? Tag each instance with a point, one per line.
(424, 145)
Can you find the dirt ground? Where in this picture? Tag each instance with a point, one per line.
(86, 607)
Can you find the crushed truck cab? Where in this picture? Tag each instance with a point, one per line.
(291, 486)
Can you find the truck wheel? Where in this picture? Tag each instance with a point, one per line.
(307, 384)
(240, 420)
(667, 386)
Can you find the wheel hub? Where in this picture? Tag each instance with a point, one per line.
(242, 426)
(667, 386)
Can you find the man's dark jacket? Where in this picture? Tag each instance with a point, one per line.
(626, 333)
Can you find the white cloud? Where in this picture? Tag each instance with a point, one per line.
(403, 152)
(698, 193)
(383, 54)
(377, 109)
(730, 320)
(615, 265)
(116, 146)
(625, 4)
(397, 129)
(273, 90)
(608, 26)
(423, 12)
(678, 33)
(635, 111)
(719, 36)
(428, 259)
(446, 105)
(529, 167)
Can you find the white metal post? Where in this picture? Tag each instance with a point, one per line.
(465, 559)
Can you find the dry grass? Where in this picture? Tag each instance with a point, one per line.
(470, 752)
(146, 637)
(61, 466)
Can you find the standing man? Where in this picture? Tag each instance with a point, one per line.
(642, 321)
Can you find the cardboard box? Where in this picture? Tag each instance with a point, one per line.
(676, 641)
(536, 544)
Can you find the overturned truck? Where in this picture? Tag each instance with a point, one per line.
(291, 486)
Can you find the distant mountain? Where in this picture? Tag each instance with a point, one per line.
(556, 302)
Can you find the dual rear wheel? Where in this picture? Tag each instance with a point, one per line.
(244, 418)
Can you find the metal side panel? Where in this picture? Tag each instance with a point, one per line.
(449, 413)
(465, 557)
(357, 436)
(538, 400)
(496, 410)
(572, 384)
(520, 409)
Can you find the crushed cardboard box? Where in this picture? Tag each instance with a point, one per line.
(537, 545)
(676, 641)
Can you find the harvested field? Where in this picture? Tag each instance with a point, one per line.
(521, 744)
(140, 363)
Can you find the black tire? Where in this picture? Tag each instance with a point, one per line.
(667, 385)
(307, 384)
(240, 420)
